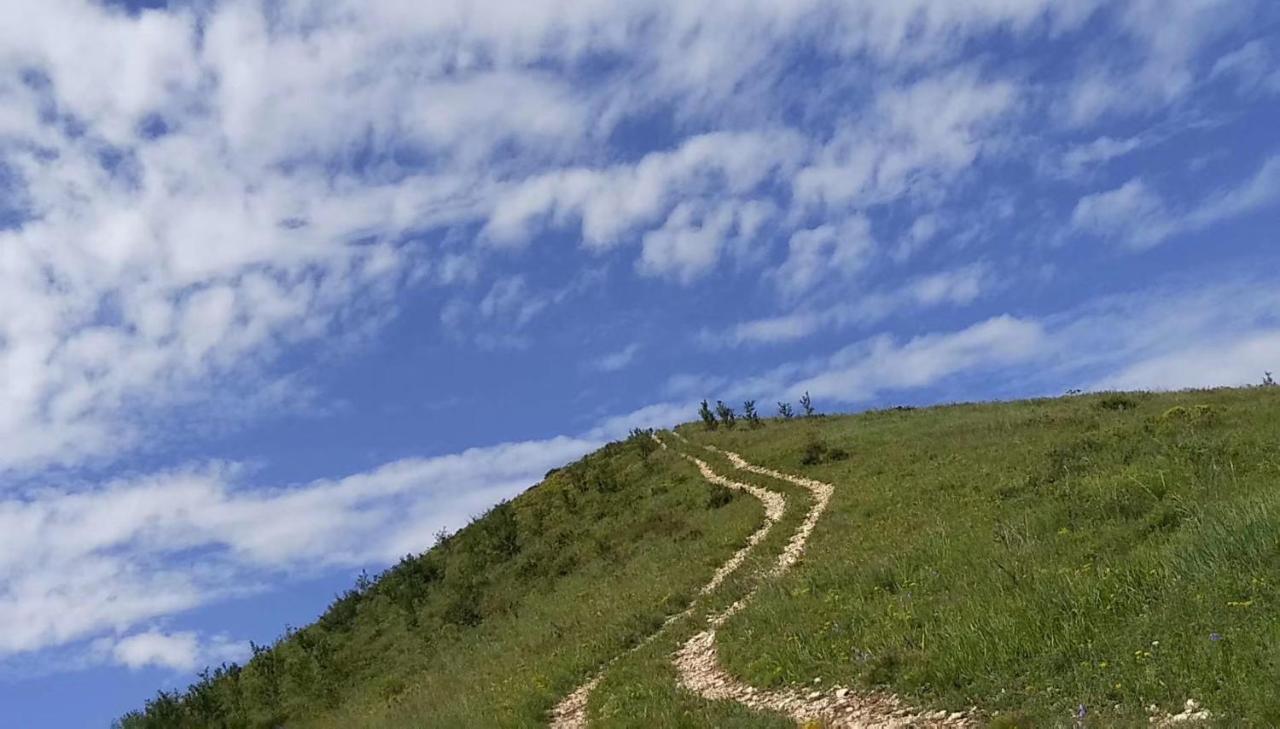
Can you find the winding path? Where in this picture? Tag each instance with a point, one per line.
(696, 660)
(837, 706)
(571, 712)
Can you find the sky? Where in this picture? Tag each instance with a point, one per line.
(288, 287)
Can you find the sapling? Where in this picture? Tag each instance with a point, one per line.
(749, 412)
(726, 414)
(806, 402)
(708, 417)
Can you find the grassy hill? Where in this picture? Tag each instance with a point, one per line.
(1041, 560)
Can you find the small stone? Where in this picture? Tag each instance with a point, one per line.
(841, 693)
(1192, 705)
(814, 694)
(956, 716)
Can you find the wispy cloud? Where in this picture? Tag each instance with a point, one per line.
(75, 564)
(958, 287)
(181, 651)
(1137, 217)
(615, 361)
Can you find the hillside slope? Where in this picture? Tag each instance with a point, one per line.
(1098, 559)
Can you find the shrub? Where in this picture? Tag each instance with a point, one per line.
(749, 412)
(784, 410)
(806, 403)
(1194, 415)
(1268, 380)
(719, 496)
(708, 417)
(726, 414)
(815, 452)
(643, 441)
(1117, 402)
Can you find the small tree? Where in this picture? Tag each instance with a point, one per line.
(749, 412)
(708, 417)
(1268, 380)
(806, 403)
(726, 414)
(643, 441)
(784, 410)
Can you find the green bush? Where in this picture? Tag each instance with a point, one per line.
(727, 417)
(816, 452)
(708, 418)
(749, 412)
(1117, 402)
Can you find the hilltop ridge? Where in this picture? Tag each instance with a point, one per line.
(1098, 558)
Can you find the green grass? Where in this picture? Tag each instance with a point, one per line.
(1114, 550)
(496, 624)
(641, 690)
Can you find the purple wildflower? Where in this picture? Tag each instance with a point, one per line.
(1215, 637)
(1081, 711)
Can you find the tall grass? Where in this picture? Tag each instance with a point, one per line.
(1113, 551)
(498, 621)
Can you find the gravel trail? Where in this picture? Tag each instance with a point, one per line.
(571, 712)
(835, 706)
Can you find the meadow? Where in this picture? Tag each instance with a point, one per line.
(1087, 560)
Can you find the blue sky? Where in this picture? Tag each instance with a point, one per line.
(288, 287)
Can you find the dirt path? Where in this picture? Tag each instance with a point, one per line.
(835, 706)
(571, 712)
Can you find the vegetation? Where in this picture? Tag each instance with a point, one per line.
(498, 620)
(1110, 551)
(1057, 562)
(708, 418)
(806, 404)
(726, 415)
(816, 451)
(749, 413)
(784, 411)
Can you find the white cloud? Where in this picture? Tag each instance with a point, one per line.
(1132, 212)
(956, 287)
(1184, 334)
(816, 254)
(510, 298)
(182, 651)
(692, 239)
(912, 138)
(923, 230)
(1080, 159)
(1253, 67)
(1236, 361)
(615, 361)
(860, 372)
(613, 203)
(75, 564)
(1261, 189)
(270, 161)
(1170, 36)
(1139, 218)
(175, 650)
